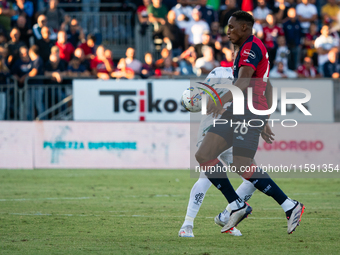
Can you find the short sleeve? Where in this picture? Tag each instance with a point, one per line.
(250, 55)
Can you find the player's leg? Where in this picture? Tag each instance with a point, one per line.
(207, 156)
(218, 139)
(197, 195)
(243, 153)
(244, 191)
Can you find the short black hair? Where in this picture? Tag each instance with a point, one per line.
(243, 16)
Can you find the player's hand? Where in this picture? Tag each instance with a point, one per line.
(213, 109)
(267, 134)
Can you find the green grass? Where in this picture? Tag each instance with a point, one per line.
(36, 217)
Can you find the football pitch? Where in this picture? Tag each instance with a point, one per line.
(141, 212)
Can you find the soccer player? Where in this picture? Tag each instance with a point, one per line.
(219, 75)
(250, 62)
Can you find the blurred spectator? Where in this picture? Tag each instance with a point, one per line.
(108, 54)
(165, 53)
(4, 71)
(279, 71)
(331, 68)
(246, 5)
(271, 32)
(307, 13)
(37, 68)
(193, 33)
(13, 46)
(23, 8)
(206, 41)
(330, 12)
(101, 66)
(148, 69)
(282, 52)
(157, 13)
(45, 44)
(183, 14)
(209, 15)
(169, 67)
(292, 31)
(228, 61)
(6, 12)
(261, 11)
(172, 34)
(306, 70)
(54, 15)
(66, 49)
(280, 10)
(25, 32)
(79, 53)
(228, 10)
(123, 72)
(142, 14)
(3, 39)
(41, 22)
(323, 44)
(75, 33)
(257, 28)
(216, 37)
(310, 41)
(21, 66)
(76, 69)
(89, 46)
(207, 63)
(55, 68)
(131, 62)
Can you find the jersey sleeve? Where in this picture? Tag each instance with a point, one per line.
(250, 55)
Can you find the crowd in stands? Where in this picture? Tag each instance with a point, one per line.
(302, 36)
(38, 38)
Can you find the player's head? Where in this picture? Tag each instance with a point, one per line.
(240, 27)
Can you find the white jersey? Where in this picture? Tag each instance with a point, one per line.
(220, 75)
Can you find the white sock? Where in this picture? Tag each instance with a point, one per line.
(197, 195)
(235, 205)
(244, 191)
(288, 204)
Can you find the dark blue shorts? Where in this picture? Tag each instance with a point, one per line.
(243, 138)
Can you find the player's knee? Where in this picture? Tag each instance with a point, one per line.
(200, 157)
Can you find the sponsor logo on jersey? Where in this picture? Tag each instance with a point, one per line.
(249, 53)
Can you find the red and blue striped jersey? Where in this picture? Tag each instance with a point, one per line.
(253, 53)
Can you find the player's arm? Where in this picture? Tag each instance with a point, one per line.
(245, 74)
